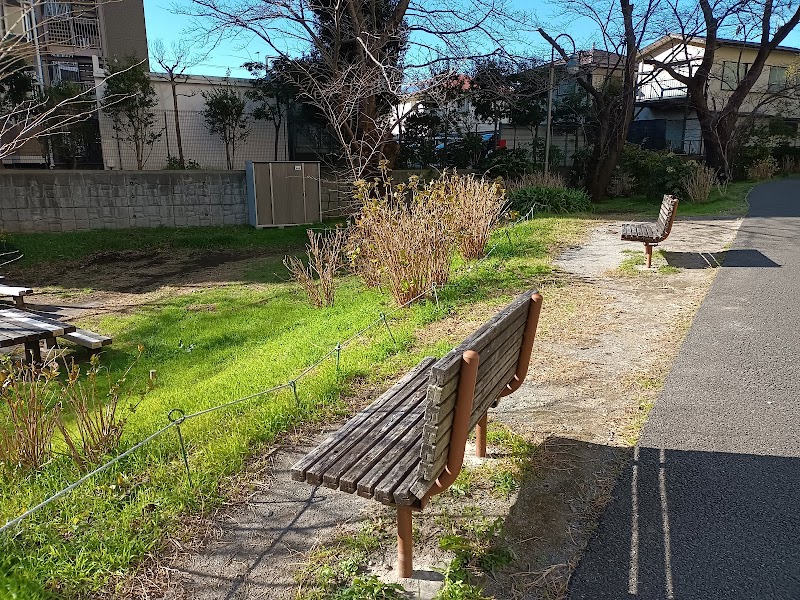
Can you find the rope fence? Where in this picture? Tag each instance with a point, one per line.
(177, 417)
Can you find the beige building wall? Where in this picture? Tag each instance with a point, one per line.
(200, 146)
(656, 84)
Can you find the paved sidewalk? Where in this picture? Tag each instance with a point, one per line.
(710, 507)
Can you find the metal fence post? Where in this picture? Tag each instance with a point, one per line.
(338, 357)
(177, 416)
(293, 385)
(391, 335)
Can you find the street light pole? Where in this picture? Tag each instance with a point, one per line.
(572, 68)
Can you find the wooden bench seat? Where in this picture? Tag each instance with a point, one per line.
(409, 444)
(88, 339)
(17, 293)
(651, 234)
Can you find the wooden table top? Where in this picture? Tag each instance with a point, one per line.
(19, 327)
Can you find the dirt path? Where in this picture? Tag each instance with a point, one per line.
(606, 342)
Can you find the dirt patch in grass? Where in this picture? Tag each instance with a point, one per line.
(119, 281)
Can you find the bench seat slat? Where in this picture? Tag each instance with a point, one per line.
(403, 494)
(88, 339)
(357, 425)
(375, 444)
(384, 475)
(35, 322)
(14, 292)
(390, 489)
(22, 332)
(346, 451)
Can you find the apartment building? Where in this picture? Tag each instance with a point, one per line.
(70, 41)
(664, 117)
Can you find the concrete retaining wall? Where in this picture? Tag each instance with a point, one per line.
(84, 200)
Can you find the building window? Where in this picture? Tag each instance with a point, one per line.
(733, 73)
(777, 78)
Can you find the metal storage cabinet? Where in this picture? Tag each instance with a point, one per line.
(283, 193)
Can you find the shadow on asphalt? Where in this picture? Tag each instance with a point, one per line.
(691, 524)
(711, 260)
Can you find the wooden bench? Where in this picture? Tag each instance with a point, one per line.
(17, 293)
(88, 339)
(409, 444)
(651, 234)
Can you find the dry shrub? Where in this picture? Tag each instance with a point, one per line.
(476, 204)
(98, 418)
(537, 179)
(324, 260)
(699, 183)
(403, 237)
(33, 400)
(763, 169)
(31, 410)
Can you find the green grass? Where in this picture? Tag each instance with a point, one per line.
(50, 247)
(252, 338)
(733, 203)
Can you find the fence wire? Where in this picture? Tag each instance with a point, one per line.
(177, 417)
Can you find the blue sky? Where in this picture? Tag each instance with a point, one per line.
(230, 54)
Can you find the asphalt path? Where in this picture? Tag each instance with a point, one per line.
(710, 506)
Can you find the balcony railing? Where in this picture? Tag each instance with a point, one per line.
(78, 32)
(656, 91)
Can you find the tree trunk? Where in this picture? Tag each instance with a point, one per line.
(177, 124)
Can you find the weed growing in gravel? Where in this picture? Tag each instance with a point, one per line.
(336, 570)
(635, 259)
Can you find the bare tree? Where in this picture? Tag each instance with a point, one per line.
(613, 91)
(176, 63)
(755, 24)
(355, 60)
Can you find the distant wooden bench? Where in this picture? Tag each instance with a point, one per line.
(17, 293)
(651, 234)
(409, 444)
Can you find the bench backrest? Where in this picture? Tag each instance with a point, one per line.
(666, 217)
(498, 344)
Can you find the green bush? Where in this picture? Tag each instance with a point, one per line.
(655, 172)
(174, 164)
(507, 163)
(549, 199)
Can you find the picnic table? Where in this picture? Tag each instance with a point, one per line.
(22, 327)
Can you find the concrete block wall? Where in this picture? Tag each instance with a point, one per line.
(83, 200)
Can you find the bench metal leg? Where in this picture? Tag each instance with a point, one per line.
(480, 436)
(405, 542)
(648, 250)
